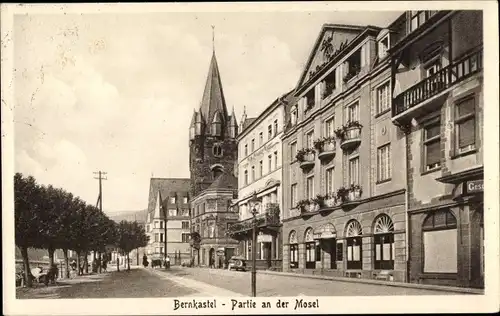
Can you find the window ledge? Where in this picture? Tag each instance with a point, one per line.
(383, 181)
(465, 153)
(382, 113)
(430, 171)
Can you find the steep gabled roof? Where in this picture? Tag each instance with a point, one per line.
(357, 29)
(213, 97)
(224, 181)
(166, 187)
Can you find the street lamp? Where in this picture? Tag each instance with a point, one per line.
(253, 202)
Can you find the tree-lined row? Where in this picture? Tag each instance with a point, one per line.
(51, 218)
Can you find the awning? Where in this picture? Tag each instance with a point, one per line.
(325, 231)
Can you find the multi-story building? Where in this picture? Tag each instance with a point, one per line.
(213, 154)
(438, 101)
(168, 221)
(259, 173)
(343, 197)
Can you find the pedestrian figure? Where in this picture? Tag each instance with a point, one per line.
(105, 265)
(145, 262)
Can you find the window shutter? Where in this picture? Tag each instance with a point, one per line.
(433, 153)
(466, 133)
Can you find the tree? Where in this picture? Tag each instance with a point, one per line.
(131, 235)
(27, 218)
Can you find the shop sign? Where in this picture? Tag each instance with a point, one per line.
(475, 186)
(264, 238)
(220, 251)
(324, 235)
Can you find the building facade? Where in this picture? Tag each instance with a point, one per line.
(259, 172)
(343, 197)
(438, 102)
(211, 216)
(168, 220)
(213, 154)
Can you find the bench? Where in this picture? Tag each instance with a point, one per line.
(384, 275)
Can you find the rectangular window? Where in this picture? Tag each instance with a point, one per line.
(294, 256)
(329, 127)
(440, 251)
(293, 194)
(310, 99)
(253, 174)
(383, 98)
(354, 171)
(384, 163)
(261, 168)
(354, 251)
(185, 225)
(310, 187)
(157, 237)
(161, 237)
(269, 132)
(252, 148)
(269, 163)
(384, 251)
(432, 146)
(318, 253)
(246, 150)
(293, 150)
(172, 212)
(383, 46)
(417, 18)
(330, 185)
(185, 237)
(172, 200)
(261, 138)
(310, 139)
(185, 200)
(275, 127)
(352, 113)
(275, 160)
(310, 255)
(161, 224)
(245, 177)
(465, 125)
(329, 84)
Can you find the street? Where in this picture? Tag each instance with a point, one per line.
(201, 282)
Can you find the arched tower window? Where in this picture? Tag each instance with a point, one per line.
(294, 250)
(439, 234)
(354, 245)
(216, 172)
(217, 150)
(384, 243)
(216, 129)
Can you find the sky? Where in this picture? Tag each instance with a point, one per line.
(116, 92)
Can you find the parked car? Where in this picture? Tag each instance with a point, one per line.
(237, 263)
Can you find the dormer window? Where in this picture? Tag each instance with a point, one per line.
(293, 115)
(383, 46)
(329, 84)
(352, 65)
(216, 125)
(310, 96)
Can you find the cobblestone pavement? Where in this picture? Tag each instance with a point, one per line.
(136, 283)
(275, 285)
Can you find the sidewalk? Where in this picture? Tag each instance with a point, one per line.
(202, 289)
(352, 280)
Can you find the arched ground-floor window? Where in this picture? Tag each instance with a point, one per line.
(354, 245)
(439, 232)
(294, 250)
(310, 249)
(384, 243)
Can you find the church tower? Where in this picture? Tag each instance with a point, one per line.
(212, 145)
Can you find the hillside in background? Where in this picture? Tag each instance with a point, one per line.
(118, 216)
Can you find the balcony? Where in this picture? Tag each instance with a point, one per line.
(306, 158)
(326, 148)
(351, 136)
(270, 218)
(416, 99)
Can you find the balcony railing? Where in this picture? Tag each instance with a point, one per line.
(352, 137)
(438, 82)
(271, 217)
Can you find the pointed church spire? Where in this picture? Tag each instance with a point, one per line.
(213, 96)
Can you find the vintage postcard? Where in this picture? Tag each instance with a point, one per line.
(250, 158)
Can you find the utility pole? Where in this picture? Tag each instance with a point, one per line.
(99, 201)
